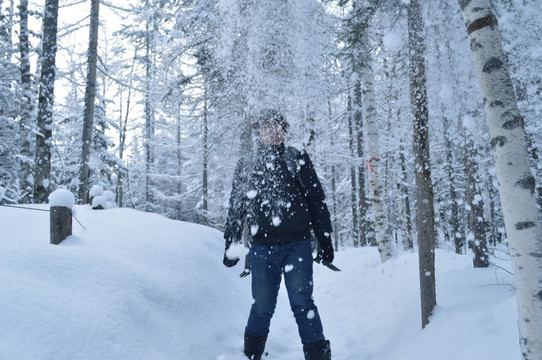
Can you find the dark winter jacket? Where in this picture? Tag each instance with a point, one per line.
(280, 205)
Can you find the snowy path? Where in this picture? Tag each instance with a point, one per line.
(139, 286)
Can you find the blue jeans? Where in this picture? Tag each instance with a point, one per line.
(268, 263)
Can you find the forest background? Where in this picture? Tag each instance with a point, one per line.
(154, 101)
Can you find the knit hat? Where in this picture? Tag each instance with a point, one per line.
(268, 116)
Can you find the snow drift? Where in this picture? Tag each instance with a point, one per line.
(133, 285)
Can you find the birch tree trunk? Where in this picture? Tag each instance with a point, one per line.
(90, 96)
(424, 189)
(27, 107)
(373, 154)
(516, 184)
(42, 171)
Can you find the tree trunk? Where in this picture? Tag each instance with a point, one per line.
(408, 243)
(475, 205)
(516, 184)
(457, 233)
(205, 159)
(90, 95)
(27, 107)
(333, 183)
(149, 120)
(42, 171)
(424, 187)
(362, 197)
(353, 193)
(373, 154)
(178, 205)
(122, 136)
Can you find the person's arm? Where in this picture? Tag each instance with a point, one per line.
(236, 212)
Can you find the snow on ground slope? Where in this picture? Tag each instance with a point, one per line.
(134, 285)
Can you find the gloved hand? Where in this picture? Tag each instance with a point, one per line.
(326, 249)
(227, 261)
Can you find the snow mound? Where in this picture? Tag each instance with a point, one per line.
(134, 285)
(130, 286)
(96, 190)
(61, 197)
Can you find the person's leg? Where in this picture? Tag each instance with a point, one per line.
(266, 276)
(297, 266)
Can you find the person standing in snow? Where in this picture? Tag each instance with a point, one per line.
(278, 194)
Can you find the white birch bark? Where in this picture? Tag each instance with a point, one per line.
(516, 184)
(374, 169)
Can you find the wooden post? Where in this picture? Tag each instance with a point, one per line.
(61, 224)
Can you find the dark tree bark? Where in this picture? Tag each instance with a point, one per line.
(90, 96)
(457, 233)
(122, 171)
(27, 107)
(424, 188)
(205, 159)
(475, 218)
(42, 171)
(149, 118)
(353, 180)
(178, 138)
(362, 197)
(408, 243)
(333, 175)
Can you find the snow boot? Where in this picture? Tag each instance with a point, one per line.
(254, 346)
(320, 350)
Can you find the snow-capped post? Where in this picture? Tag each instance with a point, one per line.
(516, 183)
(61, 203)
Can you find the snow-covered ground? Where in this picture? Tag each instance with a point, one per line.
(134, 285)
